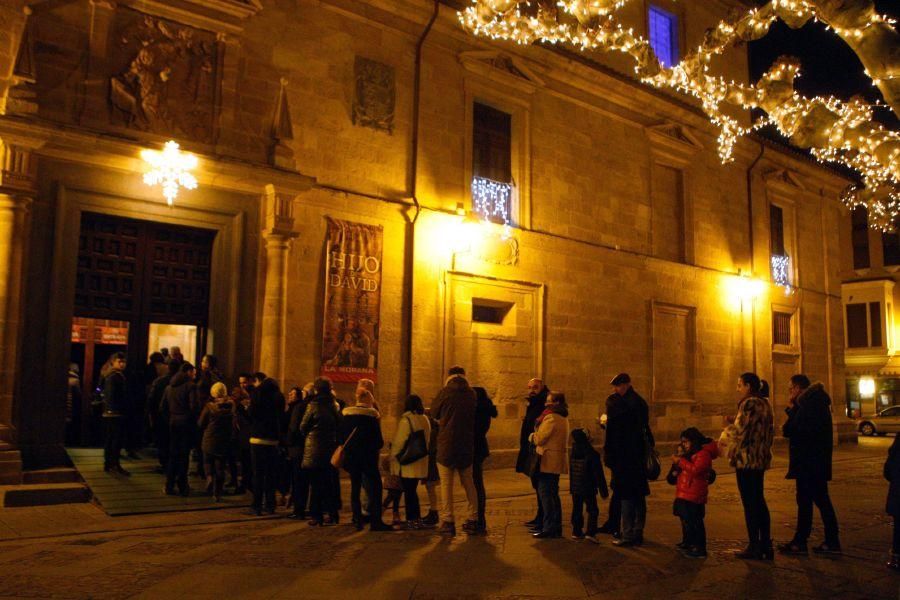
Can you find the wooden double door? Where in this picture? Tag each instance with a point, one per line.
(134, 279)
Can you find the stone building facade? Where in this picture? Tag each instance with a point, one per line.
(627, 245)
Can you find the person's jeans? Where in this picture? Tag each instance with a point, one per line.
(115, 434)
(265, 466)
(465, 477)
(367, 476)
(215, 468)
(634, 516)
(181, 437)
(321, 501)
(693, 527)
(539, 517)
(751, 483)
(299, 486)
(548, 489)
(411, 498)
(815, 491)
(480, 493)
(590, 503)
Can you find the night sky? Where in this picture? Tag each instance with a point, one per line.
(829, 66)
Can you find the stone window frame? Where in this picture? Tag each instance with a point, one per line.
(678, 10)
(796, 345)
(657, 306)
(783, 189)
(675, 146)
(485, 83)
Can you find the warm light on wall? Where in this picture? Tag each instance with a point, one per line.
(867, 387)
(743, 287)
(170, 168)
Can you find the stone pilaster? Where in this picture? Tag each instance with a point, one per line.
(17, 179)
(277, 236)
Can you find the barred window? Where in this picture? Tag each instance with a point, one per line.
(781, 328)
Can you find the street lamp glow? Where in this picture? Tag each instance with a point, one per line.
(867, 387)
(170, 168)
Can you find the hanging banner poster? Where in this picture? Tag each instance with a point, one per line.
(352, 301)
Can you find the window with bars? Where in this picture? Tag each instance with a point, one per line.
(663, 33)
(781, 328)
(491, 163)
(860, 237)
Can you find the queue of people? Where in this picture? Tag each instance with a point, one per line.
(298, 446)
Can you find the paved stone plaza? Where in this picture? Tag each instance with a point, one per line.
(76, 551)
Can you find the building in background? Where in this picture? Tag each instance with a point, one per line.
(528, 213)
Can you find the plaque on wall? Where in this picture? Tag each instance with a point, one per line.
(373, 101)
(163, 77)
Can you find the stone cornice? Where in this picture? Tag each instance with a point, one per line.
(221, 16)
(87, 148)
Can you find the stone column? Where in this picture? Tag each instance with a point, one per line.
(277, 235)
(16, 193)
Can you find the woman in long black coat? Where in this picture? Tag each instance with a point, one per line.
(892, 474)
(319, 432)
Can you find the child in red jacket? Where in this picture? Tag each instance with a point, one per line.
(692, 466)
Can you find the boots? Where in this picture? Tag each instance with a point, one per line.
(766, 551)
(447, 528)
(751, 552)
(431, 519)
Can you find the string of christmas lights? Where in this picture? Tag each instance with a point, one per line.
(833, 130)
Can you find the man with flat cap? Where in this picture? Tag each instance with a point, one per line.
(628, 422)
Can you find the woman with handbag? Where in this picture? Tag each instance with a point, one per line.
(360, 432)
(550, 439)
(318, 429)
(409, 456)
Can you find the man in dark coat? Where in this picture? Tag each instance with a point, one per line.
(454, 409)
(627, 433)
(265, 412)
(116, 410)
(808, 429)
(297, 403)
(537, 398)
(179, 409)
(484, 412)
(158, 424)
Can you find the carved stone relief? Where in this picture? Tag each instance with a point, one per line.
(163, 77)
(374, 99)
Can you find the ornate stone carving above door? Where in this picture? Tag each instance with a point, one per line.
(374, 97)
(163, 77)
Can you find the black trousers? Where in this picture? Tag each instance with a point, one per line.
(366, 476)
(589, 503)
(614, 519)
(751, 483)
(539, 517)
(480, 493)
(181, 439)
(215, 468)
(265, 466)
(693, 529)
(896, 542)
(299, 486)
(321, 499)
(411, 498)
(815, 491)
(115, 431)
(161, 437)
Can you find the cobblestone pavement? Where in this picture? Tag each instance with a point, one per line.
(222, 554)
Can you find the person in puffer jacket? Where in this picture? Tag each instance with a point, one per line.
(693, 466)
(586, 477)
(217, 423)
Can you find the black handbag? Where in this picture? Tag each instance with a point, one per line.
(653, 468)
(415, 448)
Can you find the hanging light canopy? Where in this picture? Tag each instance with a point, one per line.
(171, 169)
(833, 130)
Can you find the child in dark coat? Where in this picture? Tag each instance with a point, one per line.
(892, 474)
(586, 477)
(691, 470)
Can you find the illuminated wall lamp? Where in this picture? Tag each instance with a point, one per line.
(866, 387)
(171, 169)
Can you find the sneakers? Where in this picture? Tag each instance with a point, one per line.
(380, 526)
(592, 538)
(120, 471)
(577, 535)
(447, 528)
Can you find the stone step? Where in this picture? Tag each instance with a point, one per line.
(5, 446)
(9, 455)
(45, 494)
(11, 478)
(58, 475)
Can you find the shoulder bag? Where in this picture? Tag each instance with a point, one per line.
(651, 456)
(337, 458)
(415, 448)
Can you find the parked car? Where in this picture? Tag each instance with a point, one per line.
(887, 421)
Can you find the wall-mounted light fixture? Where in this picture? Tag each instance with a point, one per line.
(866, 387)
